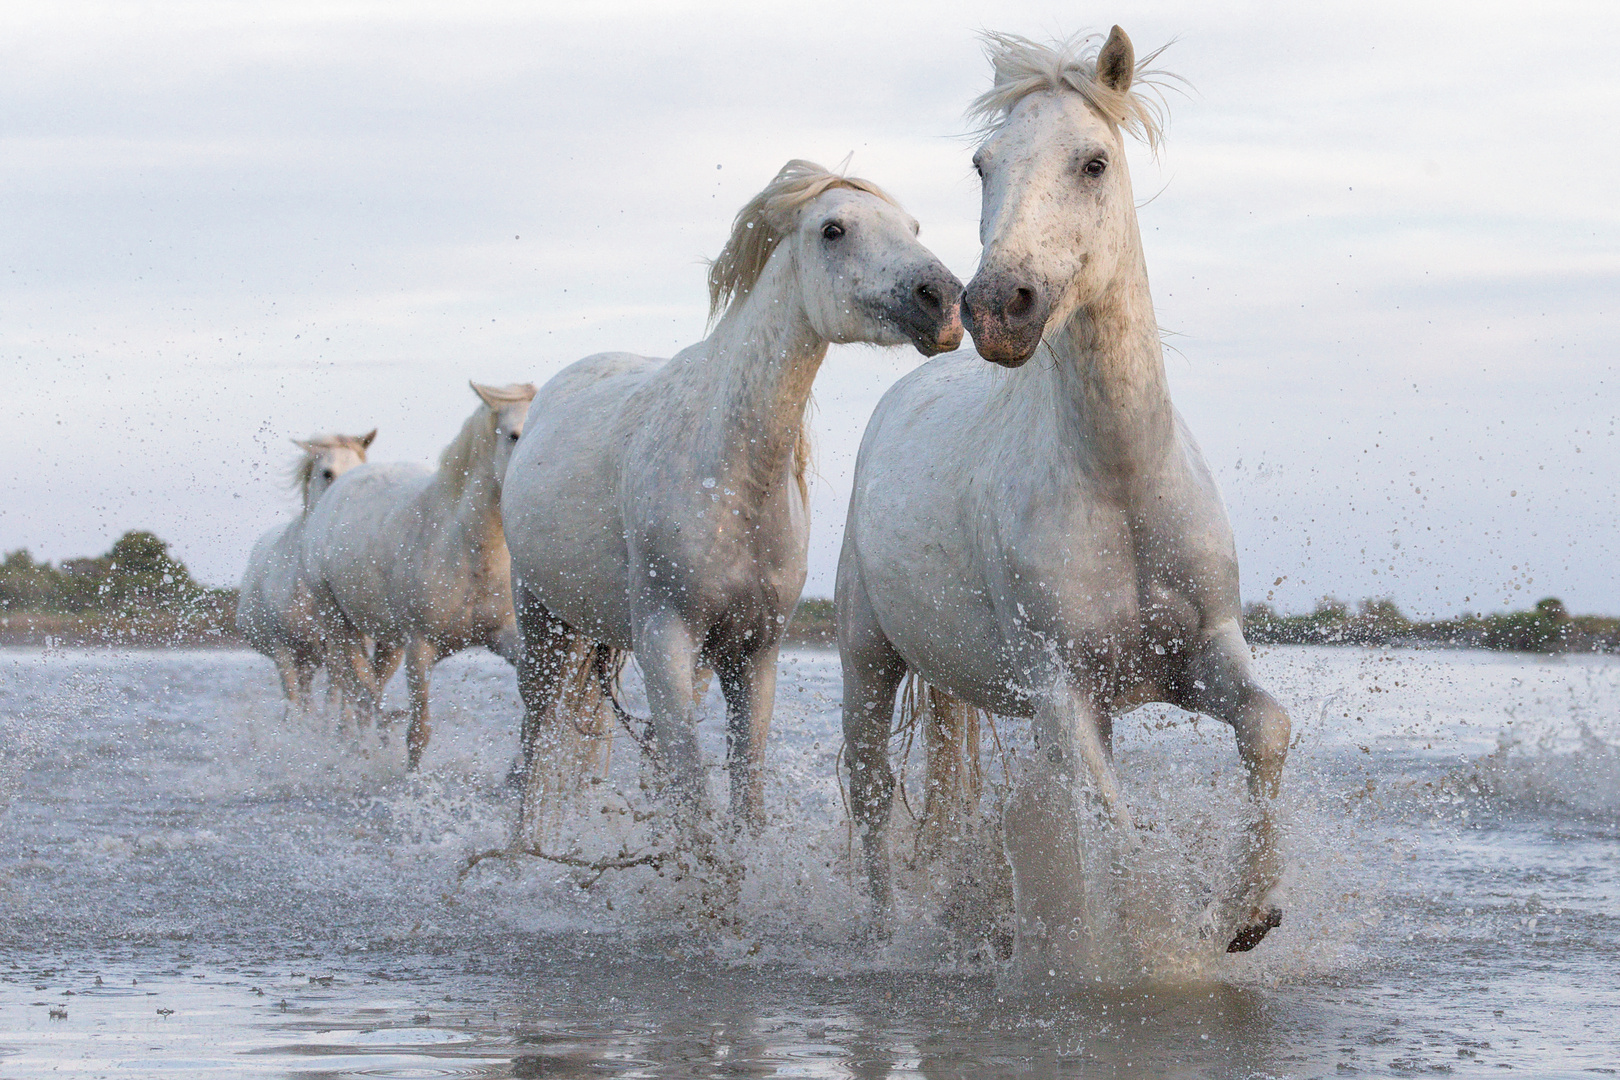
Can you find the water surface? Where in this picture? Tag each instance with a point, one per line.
(205, 887)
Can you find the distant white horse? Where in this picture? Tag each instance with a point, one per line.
(661, 506)
(275, 611)
(1047, 541)
(415, 559)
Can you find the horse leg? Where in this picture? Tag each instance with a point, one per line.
(287, 671)
(349, 665)
(1218, 682)
(951, 744)
(665, 649)
(749, 685)
(307, 662)
(1042, 835)
(545, 644)
(419, 659)
(873, 671)
(385, 660)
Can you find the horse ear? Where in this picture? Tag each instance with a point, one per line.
(365, 440)
(305, 445)
(486, 394)
(1116, 63)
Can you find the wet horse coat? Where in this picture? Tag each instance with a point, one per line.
(1043, 538)
(660, 505)
(275, 610)
(415, 560)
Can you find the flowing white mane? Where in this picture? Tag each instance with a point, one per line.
(475, 444)
(765, 220)
(1023, 67)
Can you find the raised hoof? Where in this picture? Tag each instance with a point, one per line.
(1251, 935)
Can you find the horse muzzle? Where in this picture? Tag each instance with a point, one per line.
(930, 314)
(1006, 314)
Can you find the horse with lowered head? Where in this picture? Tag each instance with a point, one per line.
(275, 610)
(415, 559)
(660, 506)
(1041, 537)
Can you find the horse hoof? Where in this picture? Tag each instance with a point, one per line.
(1250, 936)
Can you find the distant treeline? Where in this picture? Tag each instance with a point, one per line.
(139, 594)
(136, 593)
(1548, 627)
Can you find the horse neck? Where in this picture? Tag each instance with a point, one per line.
(760, 364)
(474, 509)
(1110, 397)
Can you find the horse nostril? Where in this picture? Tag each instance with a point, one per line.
(1021, 304)
(928, 297)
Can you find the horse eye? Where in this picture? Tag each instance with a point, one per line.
(978, 166)
(832, 230)
(326, 474)
(1096, 167)
(514, 435)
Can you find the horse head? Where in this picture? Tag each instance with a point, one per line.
(1058, 217)
(327, 457)
(862, 274)
(508, 408)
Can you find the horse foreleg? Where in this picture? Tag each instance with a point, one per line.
(1043, 840)
(419, 658)
(1219, 683)
(749, 685)
(665, 649)
(873, 671)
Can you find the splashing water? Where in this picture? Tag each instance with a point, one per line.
(1449, 830)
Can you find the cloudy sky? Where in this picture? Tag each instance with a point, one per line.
(1382, 237)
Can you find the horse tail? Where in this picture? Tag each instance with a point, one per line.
(604, 665)
(953, 778)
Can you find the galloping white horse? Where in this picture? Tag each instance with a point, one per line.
(1047, 541)
(275, 612)
(661, 506)
(415, 559)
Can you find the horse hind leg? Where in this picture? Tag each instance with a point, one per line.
(953, 780)
(547, 644)
(286, 661)
(873, 670)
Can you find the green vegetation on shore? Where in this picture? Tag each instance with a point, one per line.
(1546, 628)
(135, 594)
(139, 594)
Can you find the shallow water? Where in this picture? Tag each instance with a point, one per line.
(206, 888)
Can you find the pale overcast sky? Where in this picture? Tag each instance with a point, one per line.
(1382, 235)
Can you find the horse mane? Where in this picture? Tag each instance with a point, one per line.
(1023, 67)
(303, 470)
(802, 450)
(476, 440)
(765, 220)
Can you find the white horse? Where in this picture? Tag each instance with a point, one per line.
(275, 611)
(661, 506)
(415, 559)
(1047, 542)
